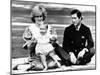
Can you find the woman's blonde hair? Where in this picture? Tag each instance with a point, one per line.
(37, 10)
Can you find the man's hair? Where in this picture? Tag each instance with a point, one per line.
(76, 11)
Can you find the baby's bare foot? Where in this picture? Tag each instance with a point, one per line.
(58, 64)
(45, 69)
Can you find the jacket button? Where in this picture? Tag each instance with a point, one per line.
(75, 50)
(82, 37)
(72, 42)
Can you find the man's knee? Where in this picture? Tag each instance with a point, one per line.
(87, 56)
(92, 50)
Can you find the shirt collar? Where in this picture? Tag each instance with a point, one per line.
(78, 27)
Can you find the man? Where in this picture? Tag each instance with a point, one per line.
(77, 41)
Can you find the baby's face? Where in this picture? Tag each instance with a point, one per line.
(43, 29)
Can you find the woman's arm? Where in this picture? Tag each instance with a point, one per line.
(27, 35)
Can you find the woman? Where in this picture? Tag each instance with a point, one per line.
(38, 16)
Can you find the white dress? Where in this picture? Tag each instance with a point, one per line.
(43, 46)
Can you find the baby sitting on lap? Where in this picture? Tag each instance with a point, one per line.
(43, 47)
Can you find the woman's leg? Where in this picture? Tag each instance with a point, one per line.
(64, 56)
(52, 54)
(31, 50)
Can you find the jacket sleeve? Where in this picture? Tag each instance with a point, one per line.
(66, 45)
(90, 43)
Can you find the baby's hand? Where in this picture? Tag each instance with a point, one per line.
(34, 40)
(53, 38)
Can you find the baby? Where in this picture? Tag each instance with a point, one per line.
(43, 47)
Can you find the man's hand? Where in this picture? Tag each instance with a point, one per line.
(81, 53)
(72, 57)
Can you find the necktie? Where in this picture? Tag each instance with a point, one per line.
(76, 27)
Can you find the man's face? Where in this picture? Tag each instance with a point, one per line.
(75, 19)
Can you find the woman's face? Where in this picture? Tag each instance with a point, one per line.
(38, 19)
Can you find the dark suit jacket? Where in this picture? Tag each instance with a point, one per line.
(75, 41)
